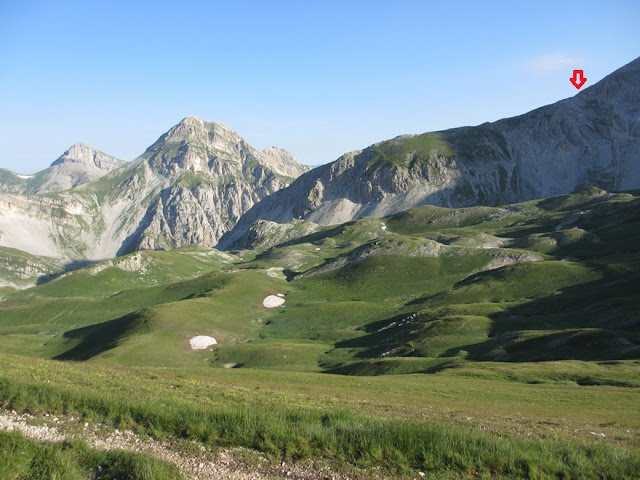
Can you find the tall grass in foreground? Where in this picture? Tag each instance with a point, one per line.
(292, 433)
(22, 458)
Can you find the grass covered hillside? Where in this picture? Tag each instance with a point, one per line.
(483, 341)
(19, 269)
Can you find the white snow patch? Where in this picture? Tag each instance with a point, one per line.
(24, 176)
(273, 301)
(383, 227)
(201, 342)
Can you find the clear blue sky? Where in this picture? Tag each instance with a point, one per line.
(316, 78)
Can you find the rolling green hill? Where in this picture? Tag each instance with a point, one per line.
(421, 290)
(527, 300)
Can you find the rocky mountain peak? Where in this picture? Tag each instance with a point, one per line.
(194, 129)
(190, 186)
(85, 154)
(199, 145)
(80, 164)
(619, 87)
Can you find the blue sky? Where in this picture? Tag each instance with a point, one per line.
(316, 78)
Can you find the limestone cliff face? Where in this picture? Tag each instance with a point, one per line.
(591, 139)
(200, 178)
(191, 186)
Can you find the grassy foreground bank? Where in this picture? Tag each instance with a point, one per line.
(22, 458)
(217, 413)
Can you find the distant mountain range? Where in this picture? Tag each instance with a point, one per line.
(201, 183)
(79, 165)
(190, 186)
(591, 139)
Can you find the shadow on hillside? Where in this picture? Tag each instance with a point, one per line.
(593, 321)
(317, 236)
(598, 320)
(68, 267)
(384, 336)
(129, 243)
(96, 339)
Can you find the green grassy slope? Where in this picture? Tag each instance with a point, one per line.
(539, 281)
(105, 302)
(402, 151)
(21, 269)
(7, 177)
(523, 318)
(23, 458)
(445, 425)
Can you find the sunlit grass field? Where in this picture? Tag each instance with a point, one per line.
(446, 424)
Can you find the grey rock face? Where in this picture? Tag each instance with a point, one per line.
(265, 234)
(191, 186)
(204, 177)
(79, 165)
(591, 139)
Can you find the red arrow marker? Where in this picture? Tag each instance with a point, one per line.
(578, 79)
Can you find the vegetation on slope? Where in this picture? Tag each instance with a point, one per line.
(21, 458)
(529, 302)
(247, 411)
(21, 269)
(402, 151)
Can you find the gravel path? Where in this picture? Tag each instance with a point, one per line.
(205, 465)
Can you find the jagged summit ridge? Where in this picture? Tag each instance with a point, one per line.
(195, 129)
(198, 145)
(282, 161)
